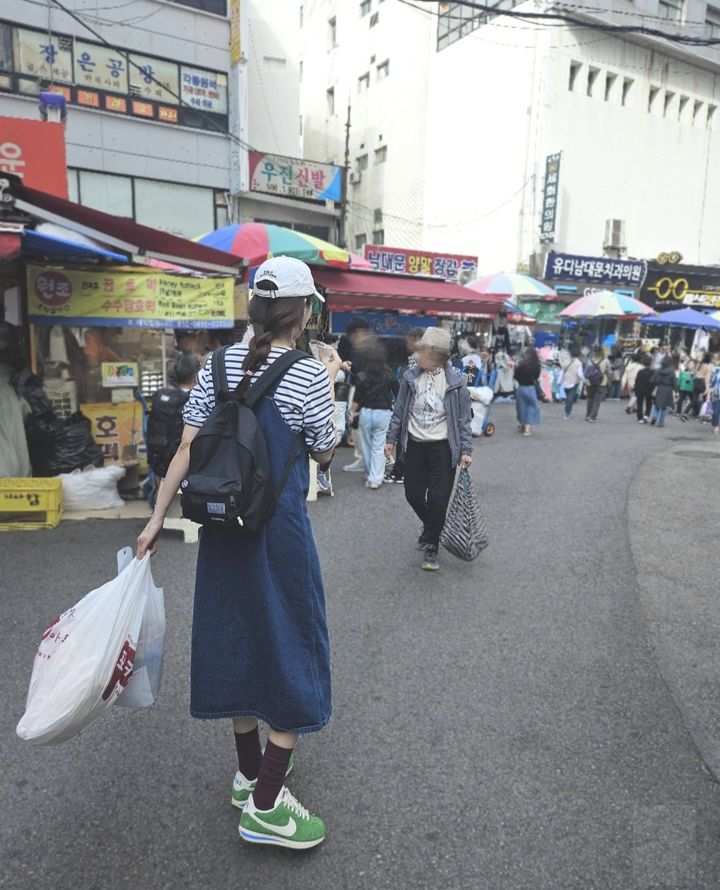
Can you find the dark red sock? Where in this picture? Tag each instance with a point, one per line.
(249, 753)
(271, 777)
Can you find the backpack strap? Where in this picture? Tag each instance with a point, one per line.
(265, 382)
(219, 372)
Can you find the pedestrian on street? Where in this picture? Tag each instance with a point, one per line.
(362, 342)
(375, 394)
(627, 384)
(616, 369)
(432, 427)
(704, 374)
(260, 646)
(527, 375)
(572, 378)
(596, 375)
(714, 394)
(665, 383)
(412, 338)
(644, 388)
(687, 398)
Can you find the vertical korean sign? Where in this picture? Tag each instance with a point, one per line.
(551, 194)
(237, 102)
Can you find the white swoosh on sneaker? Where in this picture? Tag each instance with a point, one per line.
(285, 830)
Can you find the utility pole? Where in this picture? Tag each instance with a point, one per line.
(342, 234)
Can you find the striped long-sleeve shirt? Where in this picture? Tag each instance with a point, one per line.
(302, 396)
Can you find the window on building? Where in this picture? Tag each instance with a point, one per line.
(626, 87)
(697, 111)
(378, 236)
(667, 102)
(653, 93)
(6, 48)
(374, 19)
(671, 10)
(111, 194)
(383, 69)
(682, 105)
(711, 115)
(332, 32)
(593, 74)
(222, 212)
(456, 20)
(73, 186)
(610, 81)
(219, 7)
(364, 8)
(181, 209)
(361, 162)
(360, 241)
(363, 82)
(574, 73)
(380, 155)
(712, 22)
(330, 95)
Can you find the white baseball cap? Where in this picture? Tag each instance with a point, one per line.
(290, 277)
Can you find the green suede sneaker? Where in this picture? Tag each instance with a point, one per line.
(287, 824)
(242, 788)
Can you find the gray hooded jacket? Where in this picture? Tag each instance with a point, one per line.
(457, 405)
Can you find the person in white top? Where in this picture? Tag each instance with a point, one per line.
(572, 379)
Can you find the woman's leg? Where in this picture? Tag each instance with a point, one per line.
(247, 745)
(662, 412)
(273, 769)
(441, 478)
(416, 480)
(381, 422)
(364, 432)
(716, 414)
(569, 399)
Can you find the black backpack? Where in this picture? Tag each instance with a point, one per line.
(164, 428)
(594, 374)
(230, 476)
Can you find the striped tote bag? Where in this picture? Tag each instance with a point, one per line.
(464, 534)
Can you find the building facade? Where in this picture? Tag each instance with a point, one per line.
(457, 129)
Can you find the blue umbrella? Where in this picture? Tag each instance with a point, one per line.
(683, 318)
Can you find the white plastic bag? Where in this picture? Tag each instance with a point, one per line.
(94, 488)
(85, 658)
(144, 685)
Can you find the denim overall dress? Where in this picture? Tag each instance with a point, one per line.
(259, 640)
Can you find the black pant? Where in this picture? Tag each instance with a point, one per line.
(398, 470)
(692, 403)
(429, 479)
(594, 397)
(644, 404)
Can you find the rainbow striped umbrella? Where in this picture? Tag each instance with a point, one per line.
(606, 304)
(512, 286)
(257, 242)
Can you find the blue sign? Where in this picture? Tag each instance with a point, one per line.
(594, 270)
(382, 324)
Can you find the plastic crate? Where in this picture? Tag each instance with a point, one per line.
(30, 503)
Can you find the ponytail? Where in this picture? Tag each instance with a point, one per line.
(271, 318)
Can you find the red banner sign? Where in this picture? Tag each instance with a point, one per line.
(419, 262)
(34, 151)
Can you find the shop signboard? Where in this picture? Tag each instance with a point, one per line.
(34, 151)
(100, 68)
(45, 56)
(542, 311)
(128, 299)
(235, 33)
(383, 324)
(419, 262)
(677, 286)
(116, 426)
(295, 178)
(594, 270)
(154, 79)
(120, 374)
(551, 194)
(205, 90)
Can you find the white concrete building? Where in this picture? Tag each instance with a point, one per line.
(453, 117)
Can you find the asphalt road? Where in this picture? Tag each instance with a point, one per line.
(504, 724)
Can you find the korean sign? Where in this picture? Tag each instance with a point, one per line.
(34, 151)
(673, 287)
(594, 270)
(124, 374)
(128, 299)
(384, 324)
(146, 75)
(42, 56)
(204, 89)
(418, 262)
(100, 68)
(235, 38)
(115, 426)
(551, 194)
(278, 175)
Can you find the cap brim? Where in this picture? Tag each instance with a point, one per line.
(319, 295)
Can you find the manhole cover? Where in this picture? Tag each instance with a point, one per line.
(700, 455)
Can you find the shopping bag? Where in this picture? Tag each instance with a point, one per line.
(464, 534)
(706, 411)
(85, 658)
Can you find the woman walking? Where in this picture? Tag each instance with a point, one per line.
(527, 375)
(572, 377)
(665, 382)
(374, 395)
(432, 427)
(259, 642)
(627, 384)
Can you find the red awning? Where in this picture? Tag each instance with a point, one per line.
(10, 245)
(347, 289)
(122, 234)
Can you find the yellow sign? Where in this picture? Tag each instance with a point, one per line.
(115, 427)
(235, 41)
(128, 299)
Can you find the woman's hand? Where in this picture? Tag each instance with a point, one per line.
(465, 461)
(147, 539)
(389, 448)
(332, 362)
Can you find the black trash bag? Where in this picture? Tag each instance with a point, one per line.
(29, 386)
(61, 446)
(464, 534)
